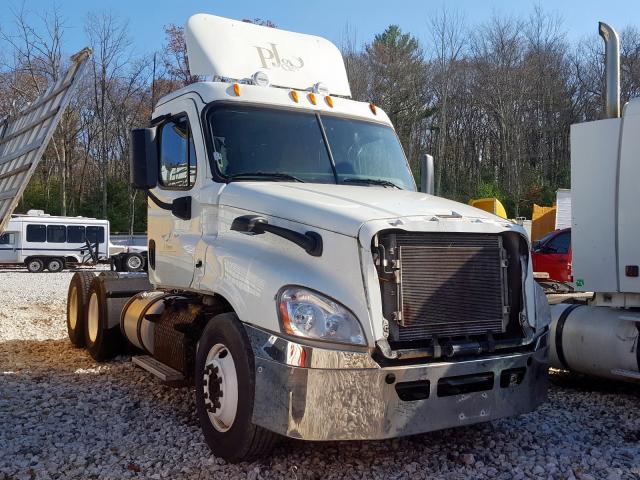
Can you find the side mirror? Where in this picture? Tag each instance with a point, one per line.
(144, 158)
(426, 174)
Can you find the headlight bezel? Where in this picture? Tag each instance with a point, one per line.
(289, 329)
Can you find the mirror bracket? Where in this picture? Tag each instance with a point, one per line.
(180, 207)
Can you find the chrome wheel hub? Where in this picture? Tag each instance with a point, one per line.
(134, 263)
(220, 385)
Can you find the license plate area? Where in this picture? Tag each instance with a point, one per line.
(477, 382)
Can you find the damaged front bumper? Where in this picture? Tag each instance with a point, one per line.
(321, 394)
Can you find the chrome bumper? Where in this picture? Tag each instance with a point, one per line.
(320, 394)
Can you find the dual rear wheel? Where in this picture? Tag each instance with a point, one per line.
(86, 317)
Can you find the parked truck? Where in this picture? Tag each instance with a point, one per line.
(296, 277)
(601, 337)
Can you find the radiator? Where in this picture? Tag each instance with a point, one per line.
(446, 285)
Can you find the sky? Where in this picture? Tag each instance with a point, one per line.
(327, 18)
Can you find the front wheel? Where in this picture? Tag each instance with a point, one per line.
(225, 387)
(134, 262)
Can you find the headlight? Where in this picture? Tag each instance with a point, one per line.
(308, 314)
(543, 312)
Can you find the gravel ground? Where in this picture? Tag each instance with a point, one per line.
(64, 416)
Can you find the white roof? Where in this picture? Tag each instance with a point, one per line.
(236, 50)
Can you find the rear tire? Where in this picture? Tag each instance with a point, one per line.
(225, 388)
(35, 265)
(102, 343)
(77, 299)
(55, 265)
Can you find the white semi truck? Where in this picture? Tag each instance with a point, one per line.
(296, 276)
(601, 337)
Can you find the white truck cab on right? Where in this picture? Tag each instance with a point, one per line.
(296, 275)
(601, 338)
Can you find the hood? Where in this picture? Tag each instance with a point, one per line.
(340, 208)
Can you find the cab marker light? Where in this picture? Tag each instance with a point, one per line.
(312, 98)
(294, 95)
(373, 108)
(236, 89)
(329, 101)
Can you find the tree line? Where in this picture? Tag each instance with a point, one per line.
(492, 102)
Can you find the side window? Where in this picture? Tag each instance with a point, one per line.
(56, 233)
(95, 234)
(8, 238)
(177, 155)
(36, 233)
(559, 243)
(75, 234)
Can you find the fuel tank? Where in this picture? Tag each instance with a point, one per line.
(598, 341)
(136, 321)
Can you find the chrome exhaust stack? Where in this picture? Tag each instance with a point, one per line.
(612, 70)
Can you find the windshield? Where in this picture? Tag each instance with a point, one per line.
(284, 145)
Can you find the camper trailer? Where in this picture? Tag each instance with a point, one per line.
(40, 241)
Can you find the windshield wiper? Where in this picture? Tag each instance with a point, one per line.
(266, 175)
(371, 181)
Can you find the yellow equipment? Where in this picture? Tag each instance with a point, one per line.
(491, 205)
(543, 221)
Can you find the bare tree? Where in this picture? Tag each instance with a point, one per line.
(109, 39)
(448, 42)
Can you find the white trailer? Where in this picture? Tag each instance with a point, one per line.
(601, 337)
(296, 276)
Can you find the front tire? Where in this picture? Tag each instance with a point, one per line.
(225, 388)
(102, 343)
(134, 262)
(77, 299)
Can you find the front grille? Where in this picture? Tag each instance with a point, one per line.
(443, 284)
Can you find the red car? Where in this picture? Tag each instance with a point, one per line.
(552, 254)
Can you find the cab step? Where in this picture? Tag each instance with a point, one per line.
(159, 369)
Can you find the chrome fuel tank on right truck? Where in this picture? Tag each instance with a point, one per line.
(598, 341)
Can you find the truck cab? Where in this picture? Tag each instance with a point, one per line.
(297, 275)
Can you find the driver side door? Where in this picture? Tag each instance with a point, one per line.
(172, 241)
